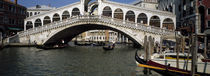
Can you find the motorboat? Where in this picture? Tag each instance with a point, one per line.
(167, 62)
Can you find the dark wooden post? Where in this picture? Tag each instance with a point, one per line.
(205, 46)
(145, 48)
(161, 44)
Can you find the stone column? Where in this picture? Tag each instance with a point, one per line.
(25, 22)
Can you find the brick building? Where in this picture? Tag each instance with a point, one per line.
(12, 17)
(201, 20)
(187, 9)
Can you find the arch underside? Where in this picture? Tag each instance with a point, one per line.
(69, 33)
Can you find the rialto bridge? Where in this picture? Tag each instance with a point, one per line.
(68, 21)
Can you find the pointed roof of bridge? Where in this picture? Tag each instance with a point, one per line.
(136, 2)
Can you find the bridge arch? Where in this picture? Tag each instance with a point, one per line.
(56, 17)
(46, 20)
(118, 13)
(168, 24)
(155, 21)
(93, 7)
(75, 12)
(67, 34)
(142, 18)
(107, 11)
(130, 16)
(65, 15)
(38, 22)
(29, 25)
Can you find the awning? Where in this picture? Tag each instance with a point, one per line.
(15, 29)
(207, 32)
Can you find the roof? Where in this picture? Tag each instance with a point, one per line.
(136, 2)
(41, 7)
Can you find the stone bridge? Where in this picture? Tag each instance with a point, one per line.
(67, 22)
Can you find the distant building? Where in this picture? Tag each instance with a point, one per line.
(102, 36)
(173, 6)
(38, 9)
(12, 17)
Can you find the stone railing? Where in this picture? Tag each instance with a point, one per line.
(95, 18)
(164, 13)
(57, 9)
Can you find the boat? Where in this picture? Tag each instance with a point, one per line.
(82, 44)
(163, 64)
(109, 47)
(44, 47)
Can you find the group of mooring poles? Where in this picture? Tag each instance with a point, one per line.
(149, 49)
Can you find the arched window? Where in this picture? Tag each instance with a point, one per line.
(46, 20)
(168, 24)
(56, 17)
(155, 21)
(29, 25)
(170, 8)
(31, 14)
(65, 15)
(94, 9)
(35, 13)
(75, 12)
(130, 16)
(142, 18)
(107, 11)
(118, 13)
(27, 14)
(38, 23)
(202, 13)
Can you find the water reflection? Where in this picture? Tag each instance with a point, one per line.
(71, 61)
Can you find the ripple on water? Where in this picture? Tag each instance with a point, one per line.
(71, 61)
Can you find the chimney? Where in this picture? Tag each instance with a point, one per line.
(16, 1)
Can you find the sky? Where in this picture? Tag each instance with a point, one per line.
(58, 3)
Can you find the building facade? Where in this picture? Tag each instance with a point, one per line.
(189, 13)
(12, 16)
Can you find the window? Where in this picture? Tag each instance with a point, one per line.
(10, 8)
(1, 5)
(208, 23)
(1, 19)
(209, 11)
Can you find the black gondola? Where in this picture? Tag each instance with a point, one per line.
(109, 47)
(51, 47)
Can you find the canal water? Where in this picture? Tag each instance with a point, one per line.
(70, 61)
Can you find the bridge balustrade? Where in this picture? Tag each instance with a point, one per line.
(92, 18)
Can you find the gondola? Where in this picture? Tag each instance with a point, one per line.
(165, 70)
(84, 44)
(44, 47)
(109, 47)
